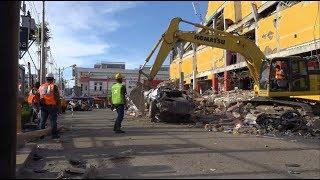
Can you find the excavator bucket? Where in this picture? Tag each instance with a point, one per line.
(137, 97)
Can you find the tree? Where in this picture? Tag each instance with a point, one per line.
(47, 34)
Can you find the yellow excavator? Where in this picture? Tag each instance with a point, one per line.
(295, 84)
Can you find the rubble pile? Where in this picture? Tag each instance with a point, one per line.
(228, 113)
(132, 110)
(167, 84)
(227, 98)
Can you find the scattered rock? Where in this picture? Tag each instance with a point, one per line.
(36, 157)
(198, 125)
(63, 175)
(292, 165)
(91, 171)
(294, 172)
(208, 127)
(75, 171)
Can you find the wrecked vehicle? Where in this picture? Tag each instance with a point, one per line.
(169, 105)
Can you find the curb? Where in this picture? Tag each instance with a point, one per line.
(23, 155)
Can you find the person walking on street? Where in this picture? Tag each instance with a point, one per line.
(49, 103)
(33, 100)
(118, 101)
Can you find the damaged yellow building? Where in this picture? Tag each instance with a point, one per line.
(279, 28)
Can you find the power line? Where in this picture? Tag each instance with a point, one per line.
(196, 12)
(32, 61)
(36, 12)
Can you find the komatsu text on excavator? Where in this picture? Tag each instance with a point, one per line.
(283, 78)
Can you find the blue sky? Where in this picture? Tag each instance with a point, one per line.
(85, 33)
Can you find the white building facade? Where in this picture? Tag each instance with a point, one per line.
(98, 81)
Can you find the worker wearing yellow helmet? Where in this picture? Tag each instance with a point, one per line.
(118, 100)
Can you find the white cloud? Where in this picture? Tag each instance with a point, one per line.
(74, 25)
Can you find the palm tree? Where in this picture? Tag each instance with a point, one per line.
(47, 34)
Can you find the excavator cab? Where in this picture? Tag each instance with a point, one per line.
(285, 77)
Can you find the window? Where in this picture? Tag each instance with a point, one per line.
(95, 88)
(81, 87)
(233, 58)
(86, 88)
(100, 88)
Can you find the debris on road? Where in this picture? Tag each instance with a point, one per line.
(132, 109)
(292, 165)
(227, 112)
(294, 172)
(128, 154)
(75, 171)
(40, 170)
(91, 171)
(37, 157)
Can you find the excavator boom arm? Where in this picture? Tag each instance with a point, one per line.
(212, 38)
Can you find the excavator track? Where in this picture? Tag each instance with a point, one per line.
(267, 101)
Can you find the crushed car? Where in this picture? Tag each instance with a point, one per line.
(169, 105)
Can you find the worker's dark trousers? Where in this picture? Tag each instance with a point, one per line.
(52, 113)
(120, 111)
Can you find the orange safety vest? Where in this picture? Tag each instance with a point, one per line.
(33, 97)
(47, 93)
(279, 74)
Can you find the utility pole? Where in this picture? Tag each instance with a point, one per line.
(43, 61)
(30, 78)
(9, 51)
(59, 74)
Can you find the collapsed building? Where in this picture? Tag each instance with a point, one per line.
(279, 28)
(221, 80)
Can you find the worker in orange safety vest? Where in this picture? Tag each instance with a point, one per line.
(33, 100)
(49, 104)
(280, 77)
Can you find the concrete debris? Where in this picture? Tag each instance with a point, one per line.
(228, 112)
(132, 109)
(292, 165)
(227, 98)
(91, 171)
(76, 162)
(208, 127)
(168, 84)
(61, 175)
(37, 157)
(123, 156)
(75, 171)
(294, 172)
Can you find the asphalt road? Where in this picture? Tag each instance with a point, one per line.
(158, 150)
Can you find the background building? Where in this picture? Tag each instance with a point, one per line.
(279, 28)
(97, 81)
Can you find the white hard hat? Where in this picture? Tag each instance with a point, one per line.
(50, 75)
